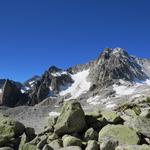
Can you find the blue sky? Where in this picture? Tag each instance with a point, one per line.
(35, 34)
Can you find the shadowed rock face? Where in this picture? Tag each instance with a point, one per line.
(113, 65)
(10, 94)
(49, 84)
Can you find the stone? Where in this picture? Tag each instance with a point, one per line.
(71, 119)
(133, 147)
(9, 129)
(131, 113)
(71, 141)
(140, 124)
(24, 140)
(56, 144)
(108, 144)
(91, 134)
(112, 117)
(135, 107)
(92, 145)
(122, 134)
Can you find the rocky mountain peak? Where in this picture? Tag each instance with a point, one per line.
(107, 53)
(115, 64)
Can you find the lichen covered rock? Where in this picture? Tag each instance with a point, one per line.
(122, 134)
(71, 119)
(71, 141)
(9, 129)
(140, 124)
(112, 116)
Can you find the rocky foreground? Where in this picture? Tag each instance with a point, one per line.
(126, 128)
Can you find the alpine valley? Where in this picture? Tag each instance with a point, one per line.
(105, 105)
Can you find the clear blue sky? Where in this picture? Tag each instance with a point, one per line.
(35, 34)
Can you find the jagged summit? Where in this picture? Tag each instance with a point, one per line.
(114, 64)
(109, 52)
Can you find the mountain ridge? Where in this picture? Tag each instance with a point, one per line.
(107, 70)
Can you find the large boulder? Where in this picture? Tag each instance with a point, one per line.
(133, 147)
(122, 134)
(71, 119)
(71, 141)
(140, 124)
(9, 129)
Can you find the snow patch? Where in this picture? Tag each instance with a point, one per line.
(96, 101)
(58, 74)
(31, 82)
(22, 91)
(1, 91)
(128, 89)
(55, 114)
(122, 90)
(80, 85)
(147, 82)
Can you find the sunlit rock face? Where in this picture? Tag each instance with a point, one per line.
(114, 64)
